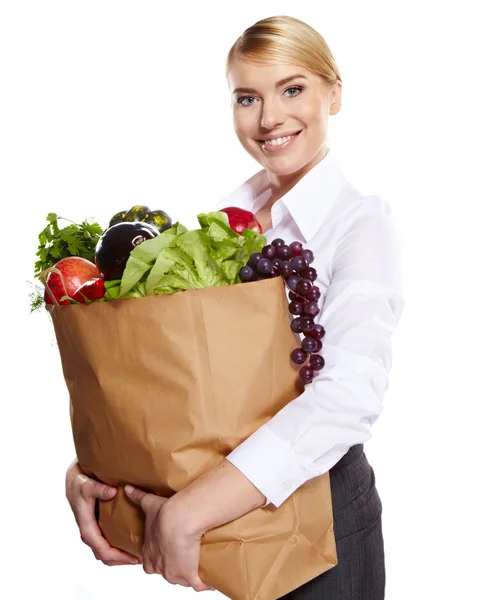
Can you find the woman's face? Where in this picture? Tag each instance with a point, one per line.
(281, 113)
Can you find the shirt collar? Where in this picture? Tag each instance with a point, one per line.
(308, 202)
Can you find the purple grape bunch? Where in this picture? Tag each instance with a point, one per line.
(292, 262)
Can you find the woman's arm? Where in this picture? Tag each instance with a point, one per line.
(217, 497)
(361, 310)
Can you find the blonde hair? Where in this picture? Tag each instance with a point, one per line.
(287, 40)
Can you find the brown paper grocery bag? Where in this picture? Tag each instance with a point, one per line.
(162, 388)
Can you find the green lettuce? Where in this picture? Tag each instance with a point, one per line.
(181, 259)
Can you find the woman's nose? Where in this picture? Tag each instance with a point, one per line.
(271, 115)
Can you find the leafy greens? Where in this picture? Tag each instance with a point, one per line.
(56, 243)
(181, 259)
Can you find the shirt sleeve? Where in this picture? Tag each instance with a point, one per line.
(362, 307)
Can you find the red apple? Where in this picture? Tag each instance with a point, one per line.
(75, 272)
(240, 219)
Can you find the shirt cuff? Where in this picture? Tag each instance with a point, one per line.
(285, 474)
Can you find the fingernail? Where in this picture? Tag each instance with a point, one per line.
(129, 489)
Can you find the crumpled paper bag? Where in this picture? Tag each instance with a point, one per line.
(162, 388)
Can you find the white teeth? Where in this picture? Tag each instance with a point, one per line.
(278, 141)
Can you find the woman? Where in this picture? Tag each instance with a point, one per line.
(285, 85)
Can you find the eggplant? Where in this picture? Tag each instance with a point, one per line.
(115, 245)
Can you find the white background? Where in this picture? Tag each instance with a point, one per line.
(108, 104)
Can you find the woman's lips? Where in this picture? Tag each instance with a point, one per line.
(271, 148)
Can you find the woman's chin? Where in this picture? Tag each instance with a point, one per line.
(278, 165)
(282, 166)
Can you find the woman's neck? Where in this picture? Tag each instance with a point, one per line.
(281, 184)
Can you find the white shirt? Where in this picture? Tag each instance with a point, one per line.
(358, 259)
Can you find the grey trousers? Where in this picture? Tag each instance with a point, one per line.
(357, 510)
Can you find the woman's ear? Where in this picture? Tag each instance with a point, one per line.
(335, 103)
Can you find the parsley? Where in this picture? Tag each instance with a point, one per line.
(56, 243)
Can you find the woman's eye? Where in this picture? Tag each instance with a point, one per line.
(294, 91)
(246, 100)
(291, 92)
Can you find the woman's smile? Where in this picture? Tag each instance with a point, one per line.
(279, 143)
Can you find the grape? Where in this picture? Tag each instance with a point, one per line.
(296, 248)
(284, 252)
(310, 308)
(309, 344)
(292, 281)
(317, 362)
(303, 287)
(308, 256)
(306, 374)
(296, 325)
(318, 332)
(269, 251)
(286, 269)
(257, 276)
(254, 259)
(298, 356)
(309, 273)
(304, 296)
(307, 324)
(299, 263)
(264, 266)
(246, 274)
(296, 307)
(314, 294)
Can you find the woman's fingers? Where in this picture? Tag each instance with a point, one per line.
(82, 494)
(91, 489)
(91, 535)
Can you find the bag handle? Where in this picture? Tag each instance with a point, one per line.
(43, 276)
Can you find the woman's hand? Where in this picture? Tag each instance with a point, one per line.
(168, 549)
(82, 492)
